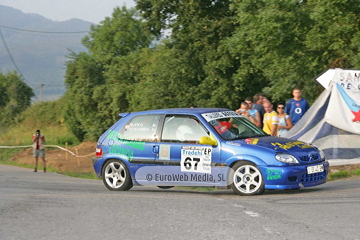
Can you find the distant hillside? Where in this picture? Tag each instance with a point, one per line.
(39, 56)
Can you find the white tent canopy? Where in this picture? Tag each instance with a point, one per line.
(333, 121)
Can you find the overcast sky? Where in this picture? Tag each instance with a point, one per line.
(59, 10)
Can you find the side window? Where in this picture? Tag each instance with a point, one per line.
(141, 128)
(183, 129)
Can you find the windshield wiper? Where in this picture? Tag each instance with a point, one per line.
(259, 135)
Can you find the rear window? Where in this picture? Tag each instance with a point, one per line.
(141, 128)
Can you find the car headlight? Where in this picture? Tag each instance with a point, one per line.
(322, 154)
(286, 158)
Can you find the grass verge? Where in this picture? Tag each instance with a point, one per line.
(342, 174)
(86, 175)
(8, 153)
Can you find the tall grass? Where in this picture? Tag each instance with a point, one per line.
(343, 174)
(21, 135)
(48, 118)
(45, 116)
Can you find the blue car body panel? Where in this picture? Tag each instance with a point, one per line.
(259, 150)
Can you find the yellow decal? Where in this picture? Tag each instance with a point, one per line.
(252, 141)
(289, 145)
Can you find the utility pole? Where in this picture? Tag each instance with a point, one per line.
(41, 88)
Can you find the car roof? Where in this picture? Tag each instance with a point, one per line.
(180, 111)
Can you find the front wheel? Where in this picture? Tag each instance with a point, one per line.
(116, 176)
(247, 179)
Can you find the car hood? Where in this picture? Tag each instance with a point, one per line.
(305, 152)
(280, 144)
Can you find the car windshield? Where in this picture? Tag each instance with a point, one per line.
(236, 128)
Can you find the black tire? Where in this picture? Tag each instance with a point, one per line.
(165, 187)
(246, 179)
(116, 176)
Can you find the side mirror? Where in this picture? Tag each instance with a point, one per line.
(208, 141)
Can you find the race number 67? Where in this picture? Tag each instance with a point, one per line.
(188, 163)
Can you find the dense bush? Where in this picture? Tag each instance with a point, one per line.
(43, 114)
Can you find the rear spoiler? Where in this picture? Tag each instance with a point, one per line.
(124, 114)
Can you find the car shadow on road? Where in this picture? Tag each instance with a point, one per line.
(340, 185)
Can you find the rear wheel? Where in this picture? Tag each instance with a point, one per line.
(116, 176)
(247, 179)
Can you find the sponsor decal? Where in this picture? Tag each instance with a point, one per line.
(217, 115)
(115, 136)
(196, 159)
(164, 152)
(173, 176)
(273, 174)
(252, 141)
(120, 146)
(289, 145)
(123, 152)
(233, 143)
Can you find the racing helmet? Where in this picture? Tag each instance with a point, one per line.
(182, 131)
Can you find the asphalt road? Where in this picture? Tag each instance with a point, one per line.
(52, 206)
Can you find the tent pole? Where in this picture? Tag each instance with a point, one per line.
(335, 142)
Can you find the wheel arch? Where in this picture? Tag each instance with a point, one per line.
(246, 178)
(245, 158)
(126, 162)
(117, 174)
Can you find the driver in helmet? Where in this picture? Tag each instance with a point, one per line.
(190, 131)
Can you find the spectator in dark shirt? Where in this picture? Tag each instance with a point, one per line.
(297, 106)
(258, 101)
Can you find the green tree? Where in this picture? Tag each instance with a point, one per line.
(94, 96)
(3, 91)
(117, 36)
(215, 54)
(334, 35)
(164, 80)
(15, 97)
(287, 43)
(83, 75)
(270, 45)
(197, 31)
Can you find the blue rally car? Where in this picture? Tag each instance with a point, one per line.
(203, 147)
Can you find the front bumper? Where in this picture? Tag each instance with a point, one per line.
(293, 177)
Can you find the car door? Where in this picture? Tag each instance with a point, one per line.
(138, 138)
(179, 144)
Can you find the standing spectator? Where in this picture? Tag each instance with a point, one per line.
(254, 112)
(271, 120)
(285, 123)
(38, 141)
(258, 98)
(297, 106)
(265, 100)
(244, 111)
